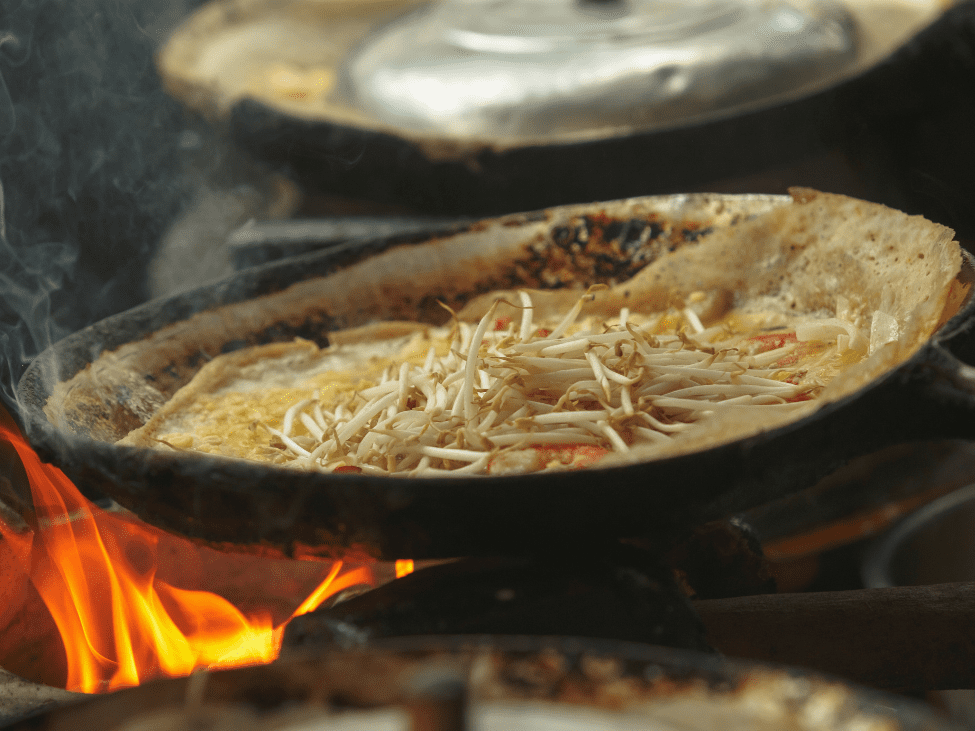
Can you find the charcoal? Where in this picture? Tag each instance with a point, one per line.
(621, 593)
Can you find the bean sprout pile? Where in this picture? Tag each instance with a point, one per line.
(510, 396)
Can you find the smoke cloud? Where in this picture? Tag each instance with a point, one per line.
(90, 168)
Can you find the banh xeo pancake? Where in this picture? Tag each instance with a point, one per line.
(747, 328)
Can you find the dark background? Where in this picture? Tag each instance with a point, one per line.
(89, 163)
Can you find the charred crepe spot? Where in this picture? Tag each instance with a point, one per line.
(592, 248)
(608, 229)
(690, 234)
(562, 236)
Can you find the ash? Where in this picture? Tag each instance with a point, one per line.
(20, 698)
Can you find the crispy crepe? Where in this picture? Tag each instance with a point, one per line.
(852, 288)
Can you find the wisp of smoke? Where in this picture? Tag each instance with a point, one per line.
(89, 168)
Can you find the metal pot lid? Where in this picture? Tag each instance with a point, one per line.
(536, 68)
(296, 57)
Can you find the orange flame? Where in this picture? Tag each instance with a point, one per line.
(121, 625)
(403, 567)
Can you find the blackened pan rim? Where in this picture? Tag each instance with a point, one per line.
(411, 517)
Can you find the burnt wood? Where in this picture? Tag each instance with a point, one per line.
(617, 593)
(903, 638)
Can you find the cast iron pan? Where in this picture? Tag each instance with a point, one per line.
(443, 683)
(898, 133)
(162, 343)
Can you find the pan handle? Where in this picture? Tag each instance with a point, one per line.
(942, 377)
(912, 637)
(946, 389)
